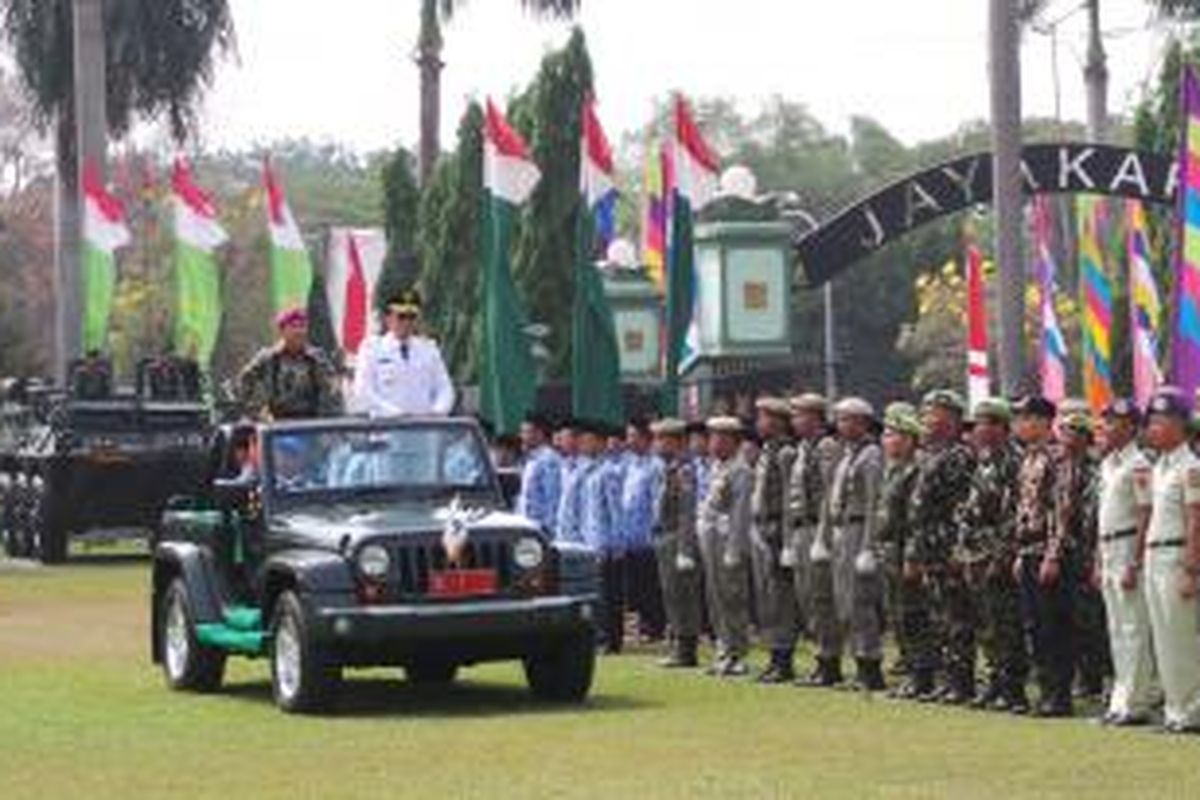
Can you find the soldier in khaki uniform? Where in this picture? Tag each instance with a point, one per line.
(1170, 550)
(675, 543)
(292, 379)
(901, 435)
(857, 583)
(724, 523)
(1124, 465)
(774, 591)
(817, 455)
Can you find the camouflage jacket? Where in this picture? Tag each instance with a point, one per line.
(986, 518)
(891, 513)
(1076, 499)
(942, 483)
(276, 384)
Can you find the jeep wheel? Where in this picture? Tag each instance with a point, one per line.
(47, 533)
(303, 678)
(563, 674)
(8, 522)
(431, 673)
(187, 664)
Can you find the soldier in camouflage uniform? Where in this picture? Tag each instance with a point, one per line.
(1076, 500)
(985, 551)
(774, 590)
(1045, 600)
(902, 433)
(857, 588)
(942, 483)
(675, 542)
(817, 455)
(290, 380)
(724, 525)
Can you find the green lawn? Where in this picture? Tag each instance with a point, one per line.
(83, 714)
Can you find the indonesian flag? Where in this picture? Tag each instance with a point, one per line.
(978, 377)
(354, 319)
(197, 280)
(695, 180)
(291, 269)
(507, 377)
(596, 178)
(104, 230)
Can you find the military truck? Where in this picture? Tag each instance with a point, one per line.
(76, 461)
(326, 544)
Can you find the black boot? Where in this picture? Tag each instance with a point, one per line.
(960, 691)
(683, 654)
(870, 675)
(780, 670)
(924, 688)
(827, 673)
(988, 697)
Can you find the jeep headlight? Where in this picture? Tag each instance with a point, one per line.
(373, 561)
(528, 553)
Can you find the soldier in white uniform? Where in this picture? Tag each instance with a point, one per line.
(400, 373)
(1171, 555)
(1123, 465)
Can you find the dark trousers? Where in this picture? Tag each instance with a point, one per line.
(612, 619)
(1049, 627)
(644, 593)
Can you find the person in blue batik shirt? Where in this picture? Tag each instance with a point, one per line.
(642, 482)
(599, 528)
(566, 441)
(541, 476)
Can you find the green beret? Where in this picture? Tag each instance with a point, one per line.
(944, 398)
(996, 409)
(903, 418)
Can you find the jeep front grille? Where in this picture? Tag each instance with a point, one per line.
(414, 560)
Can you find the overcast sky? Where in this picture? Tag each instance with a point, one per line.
(343, 71)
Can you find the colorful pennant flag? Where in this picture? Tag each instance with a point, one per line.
(1185, 342)
(656, 215)
(104, 230)
(197, 280)
(507, 376)
(1052, 349)
(1096, 300)
(291, 268)
(595, 355)
(979, 384)
(1145, 307)
(696, 168)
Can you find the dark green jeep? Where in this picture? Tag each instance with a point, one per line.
(327, 544)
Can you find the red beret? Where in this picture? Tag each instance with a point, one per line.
(291, 316)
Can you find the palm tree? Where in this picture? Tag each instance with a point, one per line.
(159, 57)
(429, 61)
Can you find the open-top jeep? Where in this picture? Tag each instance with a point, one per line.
(326, 544)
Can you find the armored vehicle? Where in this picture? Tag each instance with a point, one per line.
(327, 544)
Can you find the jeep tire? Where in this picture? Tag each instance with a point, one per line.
(47, 531)
(187, 664)
(563, 674)
(303, 678)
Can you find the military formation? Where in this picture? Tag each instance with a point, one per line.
(1002, 548)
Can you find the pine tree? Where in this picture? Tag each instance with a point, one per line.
(401, 201)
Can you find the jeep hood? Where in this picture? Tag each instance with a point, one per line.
(362, 521)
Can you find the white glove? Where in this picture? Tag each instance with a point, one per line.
(787, 557)
(819, 552)
(731, 560)
(684, 563)
(865, 563)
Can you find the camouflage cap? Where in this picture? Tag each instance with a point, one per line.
(776, 406)
(854, 407)
(944, 398)
(996, 409)
(669, 426)
(1076, 420)
(903, 418)
(724, 425)
(809, 401)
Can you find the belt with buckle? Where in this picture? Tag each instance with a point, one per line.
(1118, 535)
(1166, 543)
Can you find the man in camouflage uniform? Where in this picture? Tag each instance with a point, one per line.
(724, 525)
(1076, 508)
(817, 455)
(854, 564)
(1039, 565)
(291, 379)
(985, 551)
(675, 542)
(774, 591)
(902, 432)
(942, 483)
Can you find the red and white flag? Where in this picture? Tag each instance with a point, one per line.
(979, 382)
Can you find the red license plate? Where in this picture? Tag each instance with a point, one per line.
(462, 583)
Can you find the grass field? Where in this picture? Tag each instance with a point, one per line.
(83, 714)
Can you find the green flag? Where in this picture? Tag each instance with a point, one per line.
(291, 268)
(104, 230)
(507, 377)
(197, 280)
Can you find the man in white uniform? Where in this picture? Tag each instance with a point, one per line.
(1124, 465)
(1171, 555)
(400, 373)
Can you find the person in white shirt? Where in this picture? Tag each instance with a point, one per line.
(400, 373)
(1124, 466)
(1170, 550)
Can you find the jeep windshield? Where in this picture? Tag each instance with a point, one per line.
(421, 461)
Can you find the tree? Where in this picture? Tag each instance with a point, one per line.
(434, 13)
(401, 200)
(21, 146)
